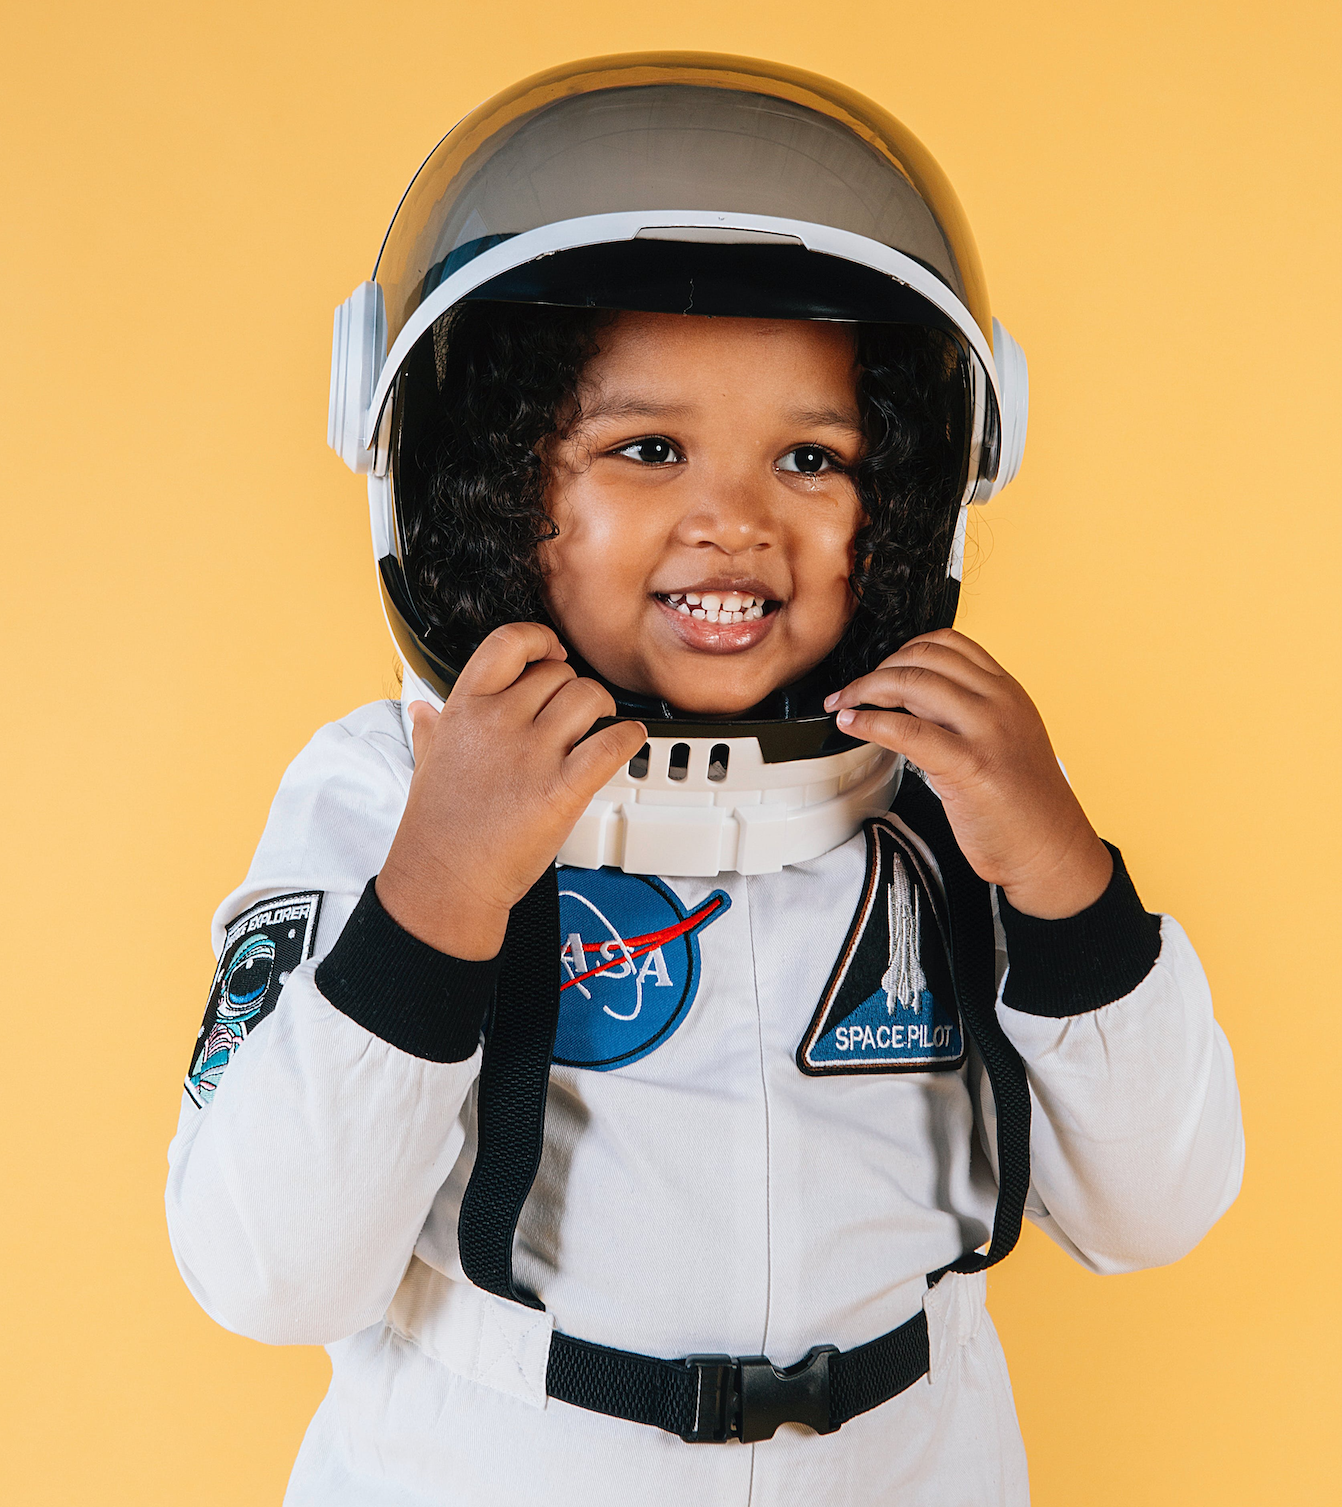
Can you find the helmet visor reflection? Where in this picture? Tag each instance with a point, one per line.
(660, 147)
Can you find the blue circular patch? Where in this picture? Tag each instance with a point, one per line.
(628, 964)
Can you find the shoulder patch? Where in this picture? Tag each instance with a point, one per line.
(262, 947)
(889, 1006)
(628, 965)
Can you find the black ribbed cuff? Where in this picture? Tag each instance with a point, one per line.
(1084, 961)
(409, 994)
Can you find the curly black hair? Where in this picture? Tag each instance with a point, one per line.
(505, 377)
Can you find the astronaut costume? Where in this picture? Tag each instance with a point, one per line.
(690, 1194)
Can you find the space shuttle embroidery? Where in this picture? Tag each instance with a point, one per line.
(889, 1005)
(903, 981)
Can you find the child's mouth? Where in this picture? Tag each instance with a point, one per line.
(719, 606)
(719, 621)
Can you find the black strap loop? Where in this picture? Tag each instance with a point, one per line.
(514, 1081)
(974, 969)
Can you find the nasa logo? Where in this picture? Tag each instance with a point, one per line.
(628, 965)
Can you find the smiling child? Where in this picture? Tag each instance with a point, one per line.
(629, 1050)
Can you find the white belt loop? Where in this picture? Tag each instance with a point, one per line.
(954, 1309)
(478, 1336)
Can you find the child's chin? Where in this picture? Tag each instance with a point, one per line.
(696, 701)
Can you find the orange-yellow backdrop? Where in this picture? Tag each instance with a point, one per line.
(189, 190)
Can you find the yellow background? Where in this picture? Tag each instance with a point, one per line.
(188, 192)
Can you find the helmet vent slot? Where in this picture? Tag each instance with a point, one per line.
(718, 759)
(679, 767)
(638, 765)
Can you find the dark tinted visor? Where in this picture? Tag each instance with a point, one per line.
(690, 277)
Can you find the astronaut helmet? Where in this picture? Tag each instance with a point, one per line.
(665, 182)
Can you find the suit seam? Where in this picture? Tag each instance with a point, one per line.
(768, 1141)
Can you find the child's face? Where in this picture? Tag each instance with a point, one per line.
(704, 466)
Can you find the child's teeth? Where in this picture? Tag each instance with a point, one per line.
(718, 606)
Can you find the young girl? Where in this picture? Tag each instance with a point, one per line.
(645, 1034)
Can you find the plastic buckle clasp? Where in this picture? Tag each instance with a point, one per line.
(748, 1398)
(717, 1395)
(799, 1394)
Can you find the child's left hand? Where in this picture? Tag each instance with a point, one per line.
(978, 736)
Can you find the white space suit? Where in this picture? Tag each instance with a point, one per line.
(704, 1195)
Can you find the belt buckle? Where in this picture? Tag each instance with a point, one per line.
(747, 1398)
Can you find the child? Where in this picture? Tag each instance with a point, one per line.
(622, 1007)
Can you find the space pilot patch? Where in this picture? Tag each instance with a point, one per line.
(628, 965)
(889, 1006)
(262, 947)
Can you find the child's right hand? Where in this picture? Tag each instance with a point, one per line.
(500, 781)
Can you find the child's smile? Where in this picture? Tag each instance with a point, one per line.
(706, 507)
(721, 617)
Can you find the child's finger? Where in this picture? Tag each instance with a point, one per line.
(597, 759)
(947, 660)
(423, 720)
(950, 638)
(534, 689)
(573, 708)
(917, 656)
(931, 747)
(503, 656)
(924, 692)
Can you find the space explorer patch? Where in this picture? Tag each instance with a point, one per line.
(889, 1006)
(628, 965)
(262, 947)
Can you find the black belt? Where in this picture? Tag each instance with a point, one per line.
(716, 1398)
(708, 1399)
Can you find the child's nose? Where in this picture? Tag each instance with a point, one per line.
(733, 512)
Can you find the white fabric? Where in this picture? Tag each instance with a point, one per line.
(474, 1333)
(707, 1198)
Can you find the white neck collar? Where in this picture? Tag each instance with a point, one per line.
(690, 815)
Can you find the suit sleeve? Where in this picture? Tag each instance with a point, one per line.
(298, 1187)
(1136, 1143)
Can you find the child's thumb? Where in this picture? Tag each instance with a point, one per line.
(423, 720)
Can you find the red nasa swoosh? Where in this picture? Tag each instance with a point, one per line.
(635, 947)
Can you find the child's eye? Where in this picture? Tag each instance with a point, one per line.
(653, 451)
(810, 460)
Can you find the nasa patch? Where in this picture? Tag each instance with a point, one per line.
(889, 1006)
(262, 947)
(628, 965)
